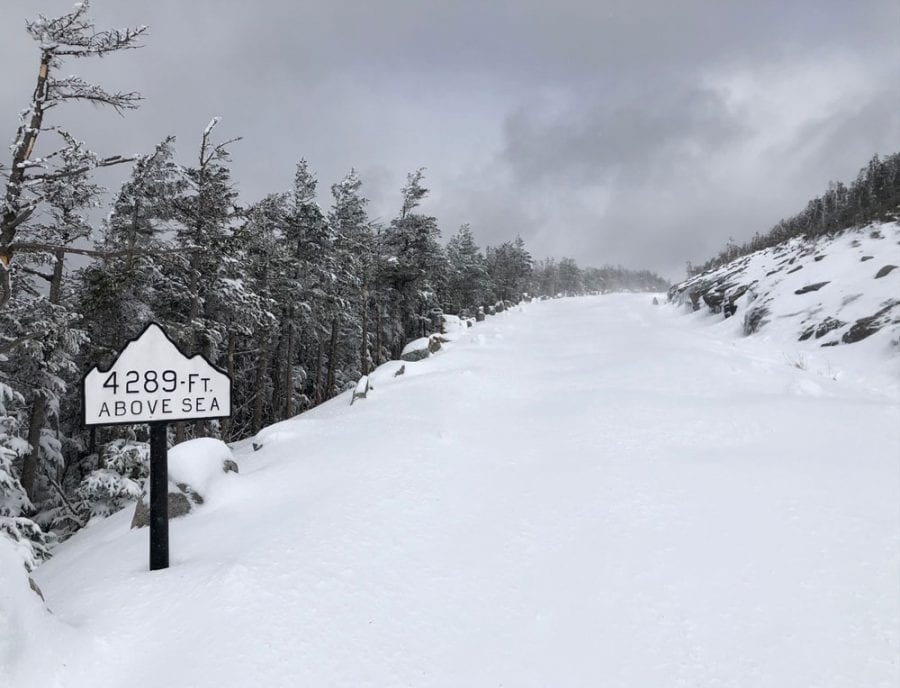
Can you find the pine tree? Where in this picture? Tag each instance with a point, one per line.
(467, 277)
(414, 267)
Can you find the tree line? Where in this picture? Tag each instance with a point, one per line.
(874, 196)
(295, 301)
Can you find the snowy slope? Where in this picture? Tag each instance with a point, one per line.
(580, 492)
(829, 291)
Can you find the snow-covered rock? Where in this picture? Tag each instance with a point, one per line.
(194, 468)
(422, 347)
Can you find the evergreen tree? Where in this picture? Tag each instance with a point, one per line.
(467, 276)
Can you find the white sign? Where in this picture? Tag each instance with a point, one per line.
(153, 381)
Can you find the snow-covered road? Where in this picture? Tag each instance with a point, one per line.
(582, 492)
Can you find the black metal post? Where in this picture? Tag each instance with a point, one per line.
(159, 496)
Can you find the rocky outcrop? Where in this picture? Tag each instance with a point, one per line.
(813, 289)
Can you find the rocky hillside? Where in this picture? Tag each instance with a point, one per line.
(832, 290)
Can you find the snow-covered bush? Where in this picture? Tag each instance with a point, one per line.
(126, 466)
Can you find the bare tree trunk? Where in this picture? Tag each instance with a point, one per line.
(262, 365)
(289, 369)
(332, 359)
(56, 279)
(35, 425)
(364, 343)
(378, 336)
(15, 214)
(320, 364)
(229, 363)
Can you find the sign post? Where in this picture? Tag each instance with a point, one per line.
(152, 381)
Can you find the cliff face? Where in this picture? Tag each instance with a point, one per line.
(831, 290)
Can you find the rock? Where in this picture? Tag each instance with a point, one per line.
(35, 588)
(400, 371)
(810, 287)
(181, 502)
(499, 307)
(818, 258)
(655, 301)
(729, 309)
(865, 258)
(479, 315)
(886, 270)
(257, 446)
(195, 467)
(823, 328)
(799, 267)
(714, 300)
(755, 318)
(415, 354)
(866, 327)
(422, 348)
(361, 390)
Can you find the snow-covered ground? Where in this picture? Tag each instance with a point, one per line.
(581, 492)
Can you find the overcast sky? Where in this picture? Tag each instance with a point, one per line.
(640, 132)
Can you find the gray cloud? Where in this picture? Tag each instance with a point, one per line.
(641, 132)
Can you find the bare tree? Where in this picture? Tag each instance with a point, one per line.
(29, 177)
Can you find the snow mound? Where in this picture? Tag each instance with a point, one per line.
(199, 463)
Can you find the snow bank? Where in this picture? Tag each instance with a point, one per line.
(27, 628)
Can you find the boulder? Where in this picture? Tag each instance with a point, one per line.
(886, 270)
(421, 348)
(181, 502)
(194, 468)
(479, 315)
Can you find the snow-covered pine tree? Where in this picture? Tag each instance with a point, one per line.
(313, 293)
(467, 280)
(203, 219)
(414, 267)
(348, 346)
(509, 266)
(122, 290)
(570, 277)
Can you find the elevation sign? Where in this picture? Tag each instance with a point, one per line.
(152, 381)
